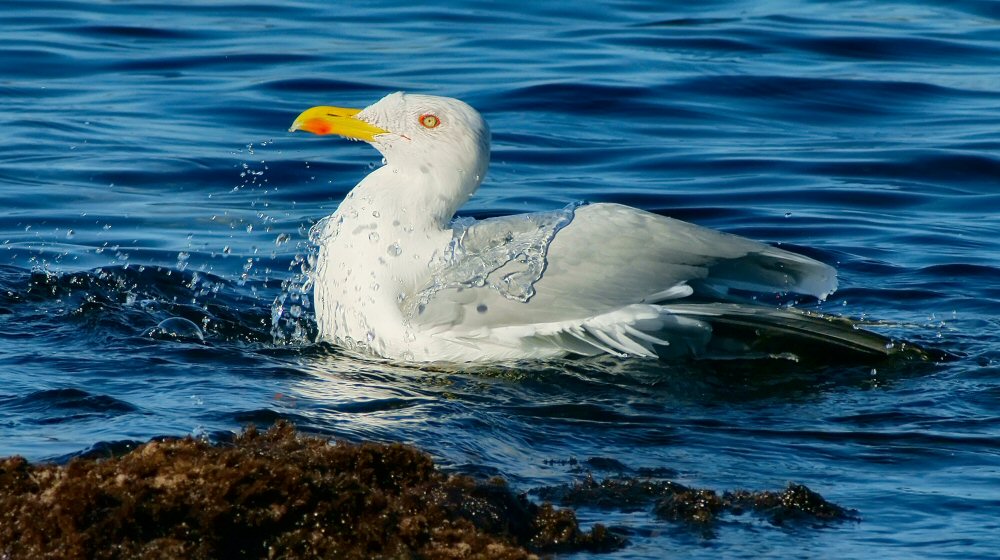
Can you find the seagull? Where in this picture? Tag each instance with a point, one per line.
(397, 276)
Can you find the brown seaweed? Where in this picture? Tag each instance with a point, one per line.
(273, 494)
(701, 507)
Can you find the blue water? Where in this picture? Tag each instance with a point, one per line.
(145, 173)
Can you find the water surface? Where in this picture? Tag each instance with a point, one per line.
(146, 174)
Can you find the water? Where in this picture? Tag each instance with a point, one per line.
(145, 176)
(505, 256)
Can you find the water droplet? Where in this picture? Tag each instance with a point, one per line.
(395, 250)
(375, 213)
(176, 328)
(70, 234)
(523, 249)
(371, 337)
(788, 214)
(373, 236)
(282, 239)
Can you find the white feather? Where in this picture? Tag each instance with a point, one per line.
(394, 278)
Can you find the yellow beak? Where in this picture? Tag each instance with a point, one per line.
(336, 120)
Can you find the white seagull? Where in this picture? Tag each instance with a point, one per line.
(398, 277)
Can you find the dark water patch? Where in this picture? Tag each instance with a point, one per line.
(811, 99)
(266, 417)
(577, 98)
(890, 294)
(375, 406)
(326, 87)
(606, 464)
(898, 48)
(884, 418)
(72, 399)
(921, 167)
(100, 450)
(689, 22)
(144, 33)
(899, 444)
(963, 272)
(717, 45)
(126, 298)
(66, 406)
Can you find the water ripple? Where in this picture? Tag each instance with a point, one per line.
(147, 175)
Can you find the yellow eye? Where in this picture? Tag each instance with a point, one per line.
(429, 120)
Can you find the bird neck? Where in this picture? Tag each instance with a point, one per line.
(422, 198)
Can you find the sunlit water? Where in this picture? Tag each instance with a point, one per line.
(146, 177)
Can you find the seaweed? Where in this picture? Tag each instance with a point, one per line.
(696, 506)
(272, 494)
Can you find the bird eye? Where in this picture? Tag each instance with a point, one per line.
(429, 120)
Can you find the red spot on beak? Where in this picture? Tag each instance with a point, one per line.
(316, 126)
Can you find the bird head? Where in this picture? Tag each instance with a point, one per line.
(418, 134)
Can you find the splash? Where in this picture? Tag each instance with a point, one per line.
(292, 317)
(293, 320)
(506, 254)
(252, 170)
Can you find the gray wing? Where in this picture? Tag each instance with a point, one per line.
(592, 260)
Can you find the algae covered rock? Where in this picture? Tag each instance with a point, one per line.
(273, 494)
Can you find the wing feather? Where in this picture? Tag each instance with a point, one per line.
(611, 256)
